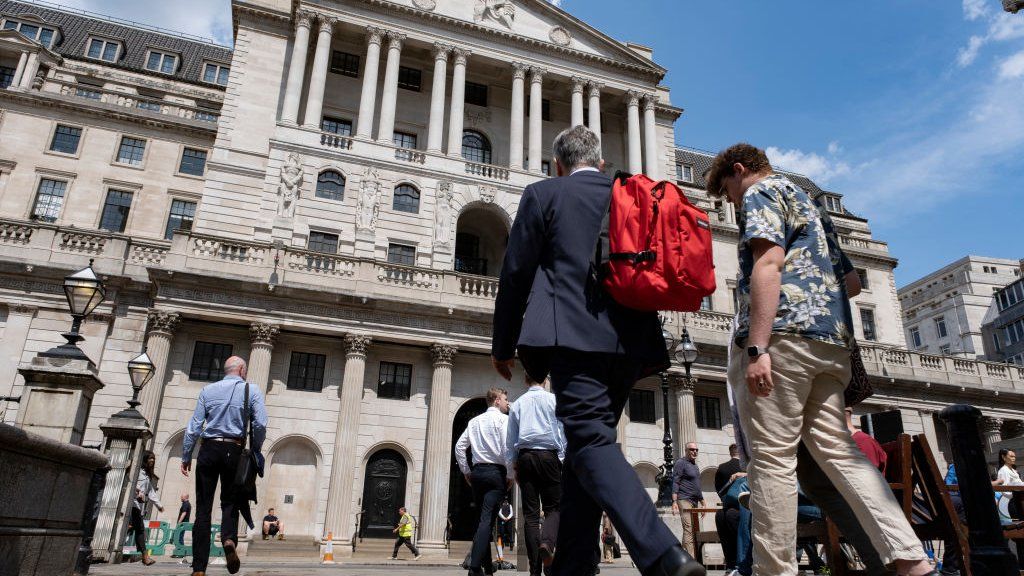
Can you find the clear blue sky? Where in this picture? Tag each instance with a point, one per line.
(913, 109)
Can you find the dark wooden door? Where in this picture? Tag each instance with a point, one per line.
(462, 510)
(383, 494)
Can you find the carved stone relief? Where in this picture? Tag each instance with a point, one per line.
(444, 217)
(369, 200)
(487, 194)
(560, 36)
(289, 188)
(425, 4)
(500, 11)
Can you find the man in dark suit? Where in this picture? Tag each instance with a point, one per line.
(549, 307)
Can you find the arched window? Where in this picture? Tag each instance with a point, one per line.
(407, 199)
(475, 147)
(330, 185)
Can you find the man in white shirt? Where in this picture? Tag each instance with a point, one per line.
(489, 477)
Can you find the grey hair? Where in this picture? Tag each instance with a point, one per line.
(233, 364)
(577, 146)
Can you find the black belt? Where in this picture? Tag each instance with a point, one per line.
(502, 466)
(534, 450)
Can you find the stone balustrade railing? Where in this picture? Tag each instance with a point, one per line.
(129, 101)
(409, 155)
(897, 363)
(863, 243)
(338, 141)
(487, 171)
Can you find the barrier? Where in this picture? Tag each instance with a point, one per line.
(329, 549)
(159, 535)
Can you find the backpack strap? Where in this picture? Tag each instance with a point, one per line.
(246, 428)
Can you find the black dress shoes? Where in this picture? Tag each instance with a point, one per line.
(675, 562)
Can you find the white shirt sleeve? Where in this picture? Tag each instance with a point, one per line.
(460, 451)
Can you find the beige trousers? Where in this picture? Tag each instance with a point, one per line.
(807, 405)
(684, 515)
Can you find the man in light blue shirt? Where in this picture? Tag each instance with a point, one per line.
(218, 420)
(535, 449)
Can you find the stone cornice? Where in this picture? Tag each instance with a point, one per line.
(174, 87)
(260, 14)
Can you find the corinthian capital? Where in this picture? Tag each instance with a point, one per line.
(537, 74)
(304, 18)
(162, 322)
(441, 51)
(650, 101)
(461, 55)
(594, 89)
(519, 70)
(682, 383)
(632, 98)
(991, 425)
(443, 354)
(356, 344)
(374, 35)
(261, 333)
(578, 83)
(395, 40)
(327, 23)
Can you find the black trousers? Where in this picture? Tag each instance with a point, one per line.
(540, 481)
(137, 528)
(217, 462)
(727, 523)
(591, 391)
(489, 486)
(407, 540)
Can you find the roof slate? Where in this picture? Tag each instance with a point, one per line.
(76, 30)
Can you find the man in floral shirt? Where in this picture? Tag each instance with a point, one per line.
(790, 364)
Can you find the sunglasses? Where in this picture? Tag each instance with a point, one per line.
(693, 449)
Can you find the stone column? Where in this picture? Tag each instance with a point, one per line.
(435, 134)
(262, 336)
(595, 108)
(158, 346)
(31, 67)
(686, 427)
(651, 138)
(991, 433)
(12, 346)
(297, 68)
(346, 436)
(318, 77)
(515, 149)
(536, 117)
(16, 81)
(633, 128)
(437, 460)
(577, 101)
(368, 96)
(458, 103)
(388, 101)
(620, 431)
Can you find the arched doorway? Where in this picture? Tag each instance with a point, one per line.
(648, 474)
(480, 240)
(383, 493)
(462, 511)
(291, 486)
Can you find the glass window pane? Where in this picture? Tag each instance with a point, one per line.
(208, 361)
(65, 139)
(336, 125)
(394, 381)
(182, 214)
(330, 185)
(153, 63)
(131, 151)
(209, 73)
(475, 147)
(407, 199)
(46, 37)
(95, 48)
(168, 64)
(222, 75)
(110, 52)
(306, 372)
(323, 242)
(193, 162)
(401, 254)
(641, 406)
(115, 210)
(10, 25)
(29, 31)
(49, 199)
(6, 76)
(404, 140)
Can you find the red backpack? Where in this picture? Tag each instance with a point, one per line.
(658, 247)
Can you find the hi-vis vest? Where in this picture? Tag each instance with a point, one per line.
(405, 526)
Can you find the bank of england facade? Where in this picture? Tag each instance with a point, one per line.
(330, 199)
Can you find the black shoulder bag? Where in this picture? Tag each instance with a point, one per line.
(245, 475)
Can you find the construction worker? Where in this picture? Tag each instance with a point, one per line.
(405, 528)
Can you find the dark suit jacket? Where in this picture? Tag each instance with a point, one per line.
(544, 299)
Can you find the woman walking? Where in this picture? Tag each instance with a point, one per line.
(145, 492)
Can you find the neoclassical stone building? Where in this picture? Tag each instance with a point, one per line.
(331, 199)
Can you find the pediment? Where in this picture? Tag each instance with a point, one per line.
(535, 20)
(13, 40)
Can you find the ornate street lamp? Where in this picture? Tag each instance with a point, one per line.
(141, 370)
(686, 353)
(84, 292)
(665, 476)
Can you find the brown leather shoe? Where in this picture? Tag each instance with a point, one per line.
(232, 557)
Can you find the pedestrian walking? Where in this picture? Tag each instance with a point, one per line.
(218, 421)
(551, 307)
(405, 529)
(607, 540)
(184, 514)
(686, 492)
(145, 492)
(790, 364)
(489, 478)
(505, 529)
(536, 449)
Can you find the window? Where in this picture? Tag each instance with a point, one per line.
(105, 50)
(65, 139)
(944, 349)
(915, 336)
(216, 73)
(206, 116)
(545, 108)
(476, 94)
(1010, 295)
(323, 242)
(131, 151)
(193, 161)
(336, 126)
(148, 105)
(330, 185)
(407, 199)
(208, 361)
(395, 381)
(49, 199)
(834, 204)
(345, 63)
(306, 372)
(467, 254)
(405, 140)
(863, 275)
(708, 412)
(684, 173)
(6, 76)
(867, 322)
(183, 212)
(32, 31)
(115, 210)
(161, 62)
(401, 254)
(410, 78)
(940, 327)
(705, 303)
(476, 147)
(89, 93)
(545, 167)
(641, 406)
(1015, 332)
(995, 342)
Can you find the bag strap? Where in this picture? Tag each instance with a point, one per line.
(246, 429)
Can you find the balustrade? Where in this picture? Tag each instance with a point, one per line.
(478, 286)
(409, 155)
(15, 233)
(487, 171)
(148, 254)
(134, 101)
(339, 141)
(408, 276)
(319, 263)
(82, 242)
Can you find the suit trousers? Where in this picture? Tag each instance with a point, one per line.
(488, 492)
(539, 473)
(591, 391)
(806, 405)
(727, 523)
(217, 461)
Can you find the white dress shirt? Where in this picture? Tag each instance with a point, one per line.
(485, 435)
(532, 424)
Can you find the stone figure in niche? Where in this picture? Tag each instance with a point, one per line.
(289, 188)
(445, 216)
(369, 200)
(502, 11)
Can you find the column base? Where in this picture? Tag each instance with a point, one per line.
(432, 549)
(342, 548)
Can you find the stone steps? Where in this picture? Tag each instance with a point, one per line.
(295, 547)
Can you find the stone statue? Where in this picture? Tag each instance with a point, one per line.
(369, 200)
(503, 11)
(289, 188)
(444, 216)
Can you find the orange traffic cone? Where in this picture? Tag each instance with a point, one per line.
(329, 550)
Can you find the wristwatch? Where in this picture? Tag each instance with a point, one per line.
(756, 351)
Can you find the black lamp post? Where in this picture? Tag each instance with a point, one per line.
(686, 353)
(84, 292)
(665, 476)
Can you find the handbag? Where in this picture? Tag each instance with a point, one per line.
(608, 539)
(248, 466)
(859, 388)
(616, 551)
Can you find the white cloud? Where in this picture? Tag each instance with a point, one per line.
(205, 18)
(1012, 67)
(968, 54)
(834, 147)
(1001, 28)
(815, 166)
(974, 9)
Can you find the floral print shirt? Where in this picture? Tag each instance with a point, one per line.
(812, 302)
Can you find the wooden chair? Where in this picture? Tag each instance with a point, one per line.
(702, 537)
(940, 522)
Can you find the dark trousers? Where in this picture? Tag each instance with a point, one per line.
(591, 391)
(217, 461)
(137, 528)
(489, 485)
(539, 473)
(407, 540)
(951, 558)
(727, 522)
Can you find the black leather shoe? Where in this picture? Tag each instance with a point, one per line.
(675, 562)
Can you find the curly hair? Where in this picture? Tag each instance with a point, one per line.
(751, 157)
